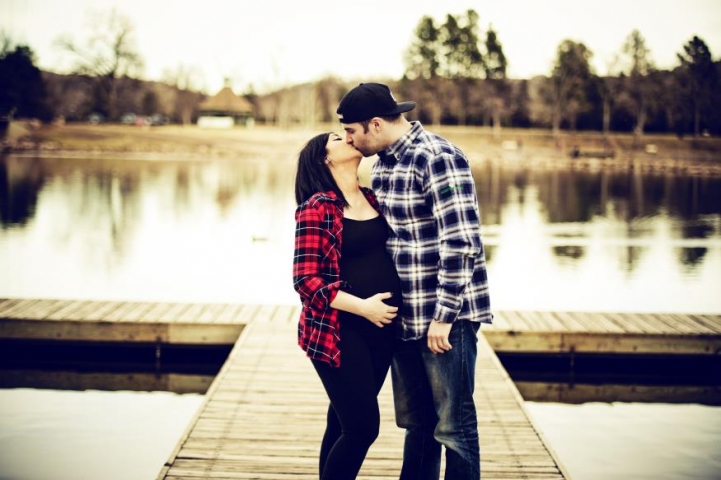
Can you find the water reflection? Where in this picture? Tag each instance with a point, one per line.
(19, 188)
(598, 377)
(222, 230)
(113, 366)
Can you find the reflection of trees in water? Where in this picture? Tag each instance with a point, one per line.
(574, 252)
(488, 251)
(629, 257)
(696, 229)
(20, 184)
(102, 201)
(579, 195)
(691, 257)
(629, 202)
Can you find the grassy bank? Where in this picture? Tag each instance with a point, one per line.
(479, 143)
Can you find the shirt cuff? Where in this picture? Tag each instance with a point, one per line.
(444, 314)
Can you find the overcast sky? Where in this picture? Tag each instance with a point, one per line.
(269, 43)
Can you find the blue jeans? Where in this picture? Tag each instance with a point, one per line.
(433, 396)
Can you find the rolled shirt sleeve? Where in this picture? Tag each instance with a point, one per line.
(452, 195)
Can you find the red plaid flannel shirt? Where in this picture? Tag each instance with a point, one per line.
(316, 272)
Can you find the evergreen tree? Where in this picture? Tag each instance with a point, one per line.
(701, 76)
(22, 89)
(569, 83)
(499, 91)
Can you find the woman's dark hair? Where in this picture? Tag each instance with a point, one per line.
(313, 175)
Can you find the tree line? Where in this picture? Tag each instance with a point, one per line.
(456, 72)
(459, 76)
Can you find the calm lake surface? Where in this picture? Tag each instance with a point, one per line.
(222, 231)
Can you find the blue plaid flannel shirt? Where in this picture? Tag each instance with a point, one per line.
(427, 193)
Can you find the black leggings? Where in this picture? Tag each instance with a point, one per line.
(353, 415)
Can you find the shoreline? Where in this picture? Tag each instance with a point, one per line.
(515, 148)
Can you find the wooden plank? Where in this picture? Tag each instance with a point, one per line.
(533, 322)
(97, 313)
(643, 344)
(526, 341)
(158, 311)
(673, 325)
(500, 322)
(556, 323)
(87, 311)
(211, 313)
(517, 322)
(35, 310)
(649, 327)
(541, 322)
(191, 314)
(248, 314)
(67, 310)
(135, 314)
(5, 302)
(171, 314)
(601, 321)
(583, 324)
(122, 311)
(264, 313)
(263, 417)
(514, 331)
(625, 323)
(18, 305)
(705, 324)
(230, 314)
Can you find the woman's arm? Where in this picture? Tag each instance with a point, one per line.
(311, 285)
(372, 308)
(310, 238)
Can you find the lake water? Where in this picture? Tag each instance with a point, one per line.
(89, 435)
(222, 231)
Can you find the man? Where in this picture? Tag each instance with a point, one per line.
(427, 194)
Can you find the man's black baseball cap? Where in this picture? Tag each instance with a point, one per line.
(369, 100)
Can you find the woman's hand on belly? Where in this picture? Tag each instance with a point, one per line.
(375, 310)
(372, 308)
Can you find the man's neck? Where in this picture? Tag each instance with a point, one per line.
(396, 131)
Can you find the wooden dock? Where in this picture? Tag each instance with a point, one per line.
(200, 323)
(263, 414)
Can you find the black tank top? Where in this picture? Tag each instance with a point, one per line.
(367, 267)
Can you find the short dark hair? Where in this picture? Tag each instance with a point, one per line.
(389, 119)
(313, 175)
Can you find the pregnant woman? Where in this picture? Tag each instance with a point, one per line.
(350, 294)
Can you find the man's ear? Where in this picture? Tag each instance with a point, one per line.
(376, 124)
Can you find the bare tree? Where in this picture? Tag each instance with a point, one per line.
(609, 88)
(106, 53)
(186, 80)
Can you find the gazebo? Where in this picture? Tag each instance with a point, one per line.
(225, 109)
